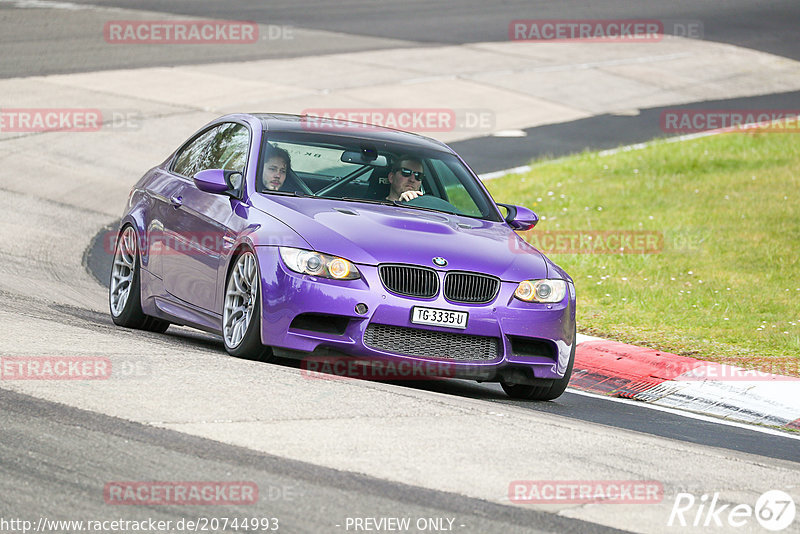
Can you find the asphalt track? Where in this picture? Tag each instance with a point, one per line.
(767, 26)
(39, 437)
(57, 457)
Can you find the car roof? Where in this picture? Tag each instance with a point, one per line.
(284, 122)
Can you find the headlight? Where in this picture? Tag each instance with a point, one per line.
(541, 290)
(317, 264)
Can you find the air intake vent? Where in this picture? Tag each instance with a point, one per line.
(410, 280)
(318, 322)
(528, 346)
(470, 288)
(431, 344)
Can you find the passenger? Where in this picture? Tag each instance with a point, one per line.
(405, 179)
(277, 164)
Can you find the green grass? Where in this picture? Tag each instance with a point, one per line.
(725, 286)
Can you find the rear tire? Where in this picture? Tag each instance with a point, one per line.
(124, 288)
(543, 393)
(241, 316)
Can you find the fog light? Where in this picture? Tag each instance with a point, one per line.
(361, 308)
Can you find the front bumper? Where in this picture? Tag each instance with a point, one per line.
(526, 341)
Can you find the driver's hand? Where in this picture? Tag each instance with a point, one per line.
(406, 196)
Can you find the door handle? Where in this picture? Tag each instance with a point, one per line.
(176, 201)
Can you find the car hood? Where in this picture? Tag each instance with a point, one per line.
(372, 234)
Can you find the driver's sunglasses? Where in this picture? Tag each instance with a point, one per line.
(408, 173)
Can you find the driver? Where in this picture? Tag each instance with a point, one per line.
(405, 179)
(276, 166)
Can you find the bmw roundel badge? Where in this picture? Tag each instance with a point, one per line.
(441, 262)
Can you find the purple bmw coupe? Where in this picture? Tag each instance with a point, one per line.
(292, 236)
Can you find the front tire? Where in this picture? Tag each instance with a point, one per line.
(124, 288)
(241, 318)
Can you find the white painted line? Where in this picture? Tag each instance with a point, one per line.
(46, 4)
(678, 139)
(690, 415)
(583, 338)
(510, 133)
(768, 402)
(498, 174)
(427, 79)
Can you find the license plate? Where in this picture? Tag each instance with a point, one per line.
(434, 317)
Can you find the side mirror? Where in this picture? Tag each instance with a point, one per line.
(519, 217)
(217, 181)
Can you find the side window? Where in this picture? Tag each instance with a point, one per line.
(190, 158)
(457, 195)
(229, 150)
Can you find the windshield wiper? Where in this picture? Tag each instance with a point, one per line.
(382, 202)
(286, 193)
(385, 202)
(413, 207)
(397, 203)
(366, 200)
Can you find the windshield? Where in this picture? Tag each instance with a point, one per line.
(359, 170)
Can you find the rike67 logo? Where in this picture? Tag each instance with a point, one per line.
(774, 510)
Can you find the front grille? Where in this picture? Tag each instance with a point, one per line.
(410, 280)
(470, 288)
(431, 344)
